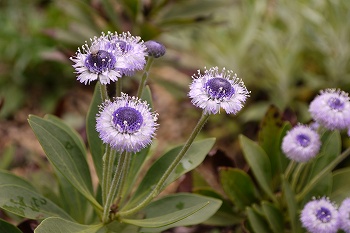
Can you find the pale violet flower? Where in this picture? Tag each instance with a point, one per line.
(126, 123)
(331, 109)
(216, 89)
(132, 54)
(97, 61)
(344, 215)
(301, 143)
(320, 216)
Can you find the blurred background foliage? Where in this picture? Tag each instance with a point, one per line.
(285, 51)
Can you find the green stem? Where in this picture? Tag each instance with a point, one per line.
(144, 76)
(105, 159)
(296, 175)
(118, 87)
(104, 93)
(113, 187)
(170, 169)
(289, 169)
(126, 167)
(322, 173)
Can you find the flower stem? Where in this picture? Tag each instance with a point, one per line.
(170, 169)
(296, 175)
(113, 187)
(289, 169)
(322, 173)
(125, 170)
(104, 93)
(145, 76)
(118, 87)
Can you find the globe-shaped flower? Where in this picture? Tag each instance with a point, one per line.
(331, 109)
(301, 143)
(344, 215)
(320, 216)
(131, 56)
(126, 123)
(97, 61)
(214, 90)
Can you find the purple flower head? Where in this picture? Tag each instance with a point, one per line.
(155, 49)
(331, 109)
(97, 61)
(214, 90)
(301, 143)
(131, 55)
(126, 123)
(344, 215)
(320, 216)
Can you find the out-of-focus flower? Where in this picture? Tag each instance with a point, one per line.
(126, 123)
(214, 90)
(331, 109)
(131, 55)
(301, 143)
(344, 215)
(320, 216)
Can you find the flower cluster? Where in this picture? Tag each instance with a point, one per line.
(323, 216)
(109, 57)
(330, 109)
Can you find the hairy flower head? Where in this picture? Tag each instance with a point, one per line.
(214, 90)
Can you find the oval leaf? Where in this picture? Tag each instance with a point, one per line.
(194, 156)
(59, 225)
(258, 162)
(183, 202)
(28, 204)
(8, 227)
(257, 222)
(274, 217)
(63, 152)
(341, 187)
(11, 179)
(238, 186)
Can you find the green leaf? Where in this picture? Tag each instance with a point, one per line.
(72, 201)
(269, 136)
(274, 217)
(292, 206)
(225, 216)
(27, 203)
(58, 225)
(257, 222)
(238, 186)
(166, 219)
(194, 156)
(72, 133)
(11, 179)
(322, 188)
(259, 163)
(341, 187)
(65, 154)
(331, 148)
(8, 227)
(189, 208)
(95, 144)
